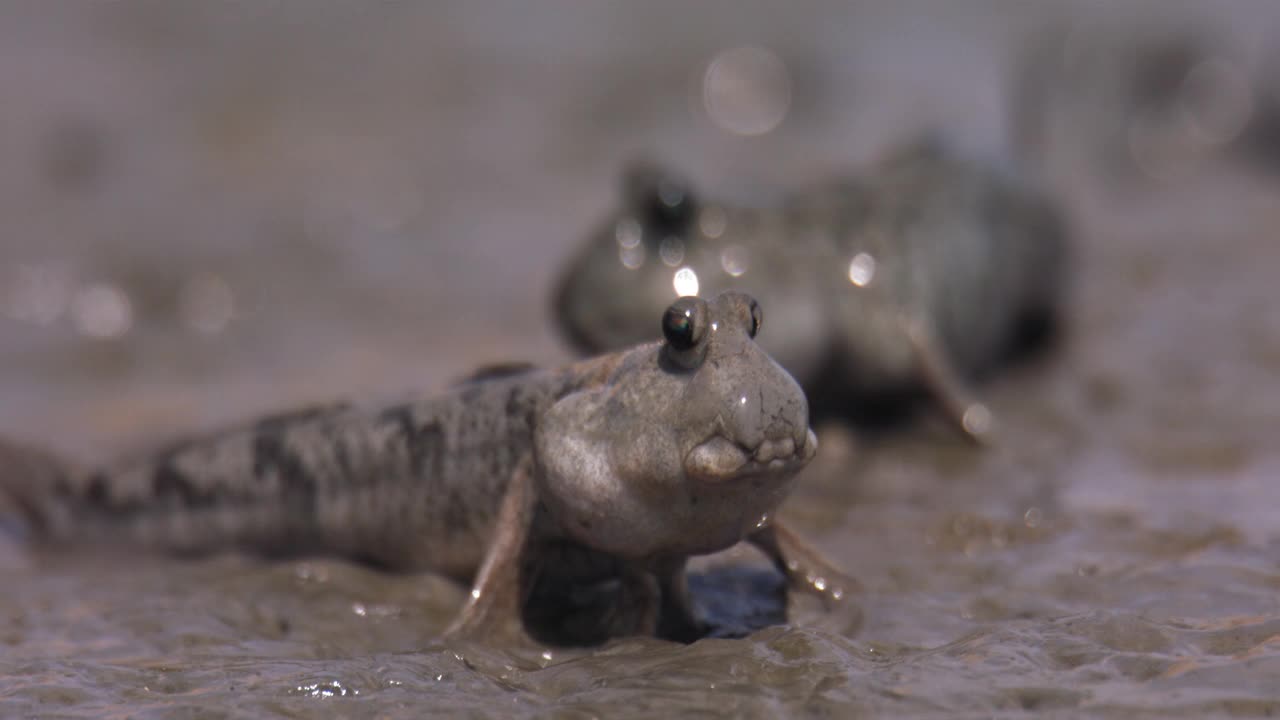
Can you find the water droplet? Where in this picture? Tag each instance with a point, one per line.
(862, 269)
(685, 282)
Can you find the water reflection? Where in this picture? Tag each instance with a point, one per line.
(862, 269)
(332, 688)
(685, 282)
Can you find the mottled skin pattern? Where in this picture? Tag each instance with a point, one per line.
(616, 468)
(920, 275)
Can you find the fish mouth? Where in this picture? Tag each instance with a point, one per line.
(720, 459)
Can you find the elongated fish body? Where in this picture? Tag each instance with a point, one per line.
(620, 467)
(370, 483)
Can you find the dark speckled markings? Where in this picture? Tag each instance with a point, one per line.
(274, 461)
(423, 442)
(616, 468)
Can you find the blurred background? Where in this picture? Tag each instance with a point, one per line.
(208, 210)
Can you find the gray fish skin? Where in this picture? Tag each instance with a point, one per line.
(621, 466)
(370, 483)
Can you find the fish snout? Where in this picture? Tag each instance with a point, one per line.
(772, 416)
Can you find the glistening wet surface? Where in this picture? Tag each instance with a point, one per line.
(214, 211)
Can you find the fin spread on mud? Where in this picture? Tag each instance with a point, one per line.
(970, 417)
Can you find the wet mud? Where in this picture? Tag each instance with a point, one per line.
(215, 212)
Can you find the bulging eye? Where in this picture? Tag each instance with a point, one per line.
(757, 318)
(684, 323)
(677, 327)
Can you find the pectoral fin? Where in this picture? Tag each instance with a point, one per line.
(495, 606)
(804, 567)
(971, 418)
(678, 619)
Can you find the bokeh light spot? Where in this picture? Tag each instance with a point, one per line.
(685, 282)
(102, 310)
(862, 269)
(735, 260)
(747, 90)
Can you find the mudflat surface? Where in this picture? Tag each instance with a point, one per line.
(213, 211)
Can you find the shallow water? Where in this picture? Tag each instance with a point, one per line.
(356, 200)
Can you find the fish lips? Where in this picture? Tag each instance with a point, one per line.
(719, 459)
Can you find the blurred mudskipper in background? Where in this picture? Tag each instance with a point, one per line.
(916, 276)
